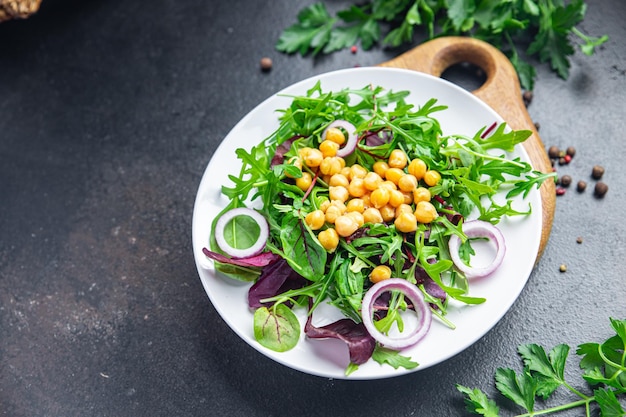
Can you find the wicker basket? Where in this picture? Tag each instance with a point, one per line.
(17, 9)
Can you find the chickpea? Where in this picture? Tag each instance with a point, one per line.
(417, 168)
(388, 213)
(366, 201)
(338, 180)
(372, 180)
(396, 198)
(380, 273)
(338, 193)
(397, 159)
(329, 239)
(425, 212)
(330, 165)
(403, 208)
(312, 157)
(324, 205)
(345, 171)
(431, 177)
(407, 182)
(340, 205)
(408, 197)
(329, 148)
(357, 217)
(357, 187)
(336, 135)
(355, 204)
(394, 174)
(380, 167)
(357, 171)
(305, 181)
(315, 219)
(372, 215)
(421, 194)
(406, 222)
(332, 213)
(380, 197)
(388, 185)
(345, 225)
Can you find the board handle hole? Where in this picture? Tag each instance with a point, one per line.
(466, 75)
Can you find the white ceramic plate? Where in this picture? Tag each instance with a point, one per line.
(328, 358)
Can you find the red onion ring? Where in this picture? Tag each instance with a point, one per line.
(410, 291)
(350, 144)
(472, 229)
(252, 250)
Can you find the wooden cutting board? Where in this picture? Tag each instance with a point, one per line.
(501, 91)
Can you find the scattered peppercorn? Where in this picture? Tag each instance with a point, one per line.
(571, 151)
(579, 240)
(600, 189)
(266, 64)
(554, 152)
(562, 161)
(353, 49)
(563, 268)
(537, 126)
(527, 96)
(560, 190)
(565, 180)
(581, 186)
(567, 158)
(597, 172)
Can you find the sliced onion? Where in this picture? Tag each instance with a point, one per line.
(241, 253)
(350, 144)
(411, 292)
(473, 229)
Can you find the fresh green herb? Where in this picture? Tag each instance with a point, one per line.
(604, 366)
(550, 26)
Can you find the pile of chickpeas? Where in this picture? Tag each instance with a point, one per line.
(395, 191)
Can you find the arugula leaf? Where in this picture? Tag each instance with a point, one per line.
(508, 25)
(393, 358)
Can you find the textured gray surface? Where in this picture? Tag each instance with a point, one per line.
(109, 113)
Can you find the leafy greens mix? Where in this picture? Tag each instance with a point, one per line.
(545, 26)
(296, 271)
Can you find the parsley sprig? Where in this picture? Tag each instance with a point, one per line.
(603, 364)
(545, 29)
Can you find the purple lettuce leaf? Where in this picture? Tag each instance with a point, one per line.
(360, 343)
(260, 260)
(276, 278)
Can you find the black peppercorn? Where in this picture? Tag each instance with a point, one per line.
(581, 186)
(571, 151)
(597, 172)
(565, 180)
(600, 189)
(554, 152)
(266, 63)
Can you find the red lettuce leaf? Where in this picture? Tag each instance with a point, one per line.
(260, 260)
(360, 344)
(276, 278)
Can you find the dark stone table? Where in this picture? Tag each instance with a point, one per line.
(109, 113)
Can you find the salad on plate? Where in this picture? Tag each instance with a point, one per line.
(358, 202)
